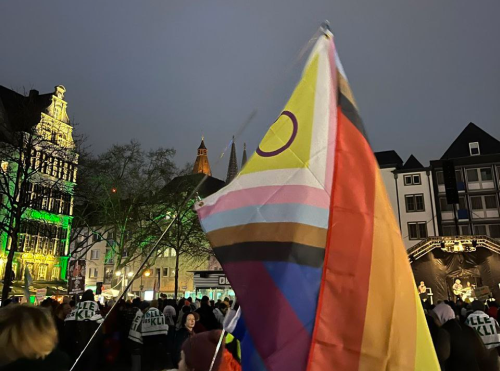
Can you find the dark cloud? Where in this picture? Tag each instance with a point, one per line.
(165, 72)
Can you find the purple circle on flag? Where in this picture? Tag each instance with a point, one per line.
(295, 129)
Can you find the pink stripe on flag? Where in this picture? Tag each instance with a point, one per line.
(291, 194)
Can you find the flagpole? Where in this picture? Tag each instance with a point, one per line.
(217, 349)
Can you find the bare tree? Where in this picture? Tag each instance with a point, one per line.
(185, 236)
(113, 196)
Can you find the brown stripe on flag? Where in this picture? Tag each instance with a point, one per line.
(289, 252)
(273, 232)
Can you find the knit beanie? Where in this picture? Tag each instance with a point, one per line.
(199, 351)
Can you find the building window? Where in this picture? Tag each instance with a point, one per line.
(108, 274)
(94, 254)
(165, 272)
(56, 272)
(157, 272)
(414, 203)
(92, 272)
(440, 177)
(173, 252)
(417, 230)
(484, 175)
(474, 149)
(480, 229)
(488, 202)
(413, 179)
(42, 272)
(476, 203)
(451, 230)
(494, 230)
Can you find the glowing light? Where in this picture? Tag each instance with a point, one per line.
(130, 274)
(147, 273)
(118, 274)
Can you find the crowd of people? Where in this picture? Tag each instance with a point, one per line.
(466, 336)
(138, 335)
(167, 335)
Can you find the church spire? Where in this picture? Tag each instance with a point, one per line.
(232, 169)
(244, 158)
(201, 164)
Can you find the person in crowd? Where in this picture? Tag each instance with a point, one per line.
(79, 327)
(180, 304)
(72, 304)
(185, 309)
(197, 303)
(199, 350)
(492, 309)
(220, 312)
(193, 307)
(30, 336)
(460, 348)
(169, 313)
(198, 327)
(149, 331)
(187, 330)
(207, 315)
(212, 304)
(486, 326)
(60, 314)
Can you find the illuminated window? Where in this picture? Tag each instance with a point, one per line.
(474, 149)
(5, 166)
(42, 272)
(56, 272)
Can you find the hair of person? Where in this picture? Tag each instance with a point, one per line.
(186, 309)
(185, 316)
(477, 305)
(196, 316)
(60, 310)
(190, 299)
(27, 332)
(136, 302)
(88, 296)
(154, 303)
(205, 299)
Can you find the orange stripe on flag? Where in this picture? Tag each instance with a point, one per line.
(340, 320)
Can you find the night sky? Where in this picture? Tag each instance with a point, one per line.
(167, 72)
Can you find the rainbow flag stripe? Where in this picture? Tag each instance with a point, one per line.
(308, 240)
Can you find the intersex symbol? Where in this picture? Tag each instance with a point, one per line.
(295, 129)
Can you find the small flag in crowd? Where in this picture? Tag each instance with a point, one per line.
(309, 242)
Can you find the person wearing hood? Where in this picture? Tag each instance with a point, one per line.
(207, 315)
(149, 331)
(466, 351)
(79, 326)
(486, 327)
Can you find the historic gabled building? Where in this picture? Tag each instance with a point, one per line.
(409, 187)
(43, 245)
(475, 156)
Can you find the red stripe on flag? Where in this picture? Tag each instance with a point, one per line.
(340, 320)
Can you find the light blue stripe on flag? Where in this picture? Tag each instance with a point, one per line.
(291, 213)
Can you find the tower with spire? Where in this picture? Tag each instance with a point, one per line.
(232, 169)
(201, 165)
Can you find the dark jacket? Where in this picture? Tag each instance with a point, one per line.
(466, 349)
(207, 317)
(55, 361)
(180, 337)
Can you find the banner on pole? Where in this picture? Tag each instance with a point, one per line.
(76, 282)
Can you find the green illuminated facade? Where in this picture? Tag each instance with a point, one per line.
(44, 237)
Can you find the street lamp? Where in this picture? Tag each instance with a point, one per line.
(130, 274)
(147, 273)
(118, 274)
